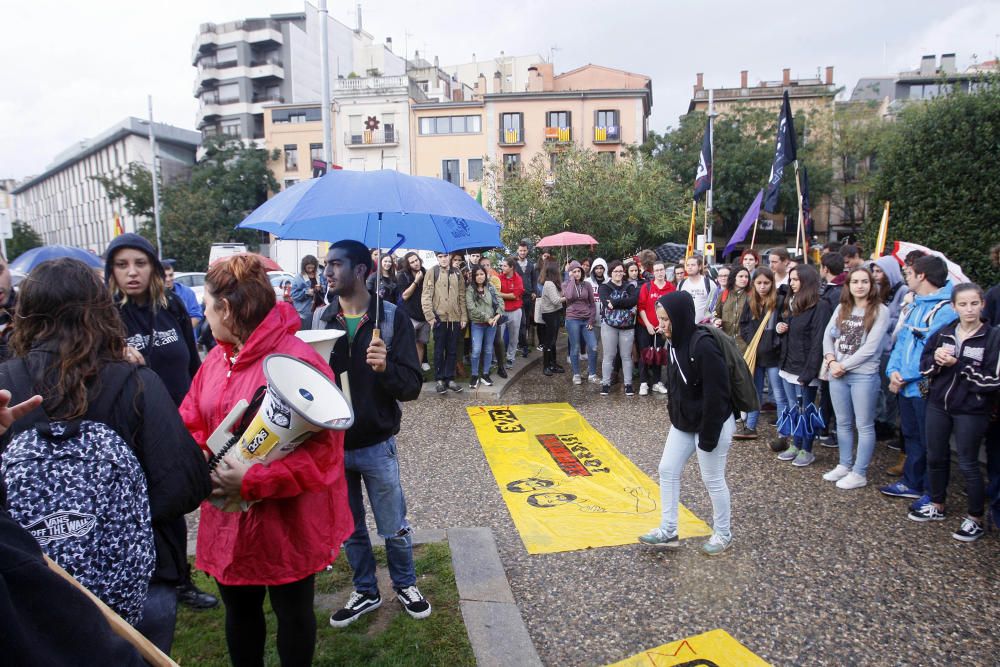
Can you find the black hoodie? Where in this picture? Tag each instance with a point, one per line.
(697, 376)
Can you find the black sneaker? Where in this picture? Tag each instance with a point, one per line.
(605, 389)
(473, 382)
(487, 380)
(827, 440)
(441, 387)
(454, 386)
(629, 391)
(357, 604)
(970, 531)
(414, 603)
(191, 596)
(502, 370)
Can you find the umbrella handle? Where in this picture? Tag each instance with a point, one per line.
(376, 334)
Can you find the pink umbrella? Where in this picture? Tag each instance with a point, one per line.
(902, 248)
(566, 239)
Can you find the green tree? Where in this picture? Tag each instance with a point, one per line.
(627, 205)
(133, 188)
(940, 168)
(24, 238)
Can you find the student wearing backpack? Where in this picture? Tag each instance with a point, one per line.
(159, 335)
(70, 347)
(852, 347)
(301, 515)
(701, 422)
(761, 314)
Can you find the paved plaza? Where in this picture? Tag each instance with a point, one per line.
(816, 576)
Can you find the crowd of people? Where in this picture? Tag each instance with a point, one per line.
(845, 354)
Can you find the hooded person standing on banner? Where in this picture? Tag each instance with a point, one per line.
(701, 417)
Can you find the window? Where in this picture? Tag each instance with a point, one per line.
(228, 92)
(511, 128)
(451, 125)
(606, 157)
(511, 121)
(475, 170)
(512, 163)
(450, 172)
(316, 152)
(606, 126)
(557, 119)
(389, 127)
(356, 126)
(231, 127)
(289, 182)
(291, 157)
(296, 115)
(225, 56)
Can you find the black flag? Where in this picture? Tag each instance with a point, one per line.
(784, 152)
(703, 177)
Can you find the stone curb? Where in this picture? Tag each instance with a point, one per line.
(500, 385)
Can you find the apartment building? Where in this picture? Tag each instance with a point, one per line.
(931, 79)
(66, 204)
(244, 65)
(594, 107)
(805, 94)
(513, 70)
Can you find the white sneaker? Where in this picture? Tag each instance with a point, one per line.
(644, 389)
(594, 379)
(425, 367)
(583, 356)
(659, 388)
(852, 480)
(577, 379)
(837, 474)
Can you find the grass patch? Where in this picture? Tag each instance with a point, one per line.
(387, 636)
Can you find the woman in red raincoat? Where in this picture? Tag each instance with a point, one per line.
(303, 517)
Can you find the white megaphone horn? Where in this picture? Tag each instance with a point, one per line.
(321, 340)
(298, 402)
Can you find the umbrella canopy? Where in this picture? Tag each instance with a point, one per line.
(269, 264)
(377, 208)
(32, 258)
(566, 239)
(902, 248)
(671, 252)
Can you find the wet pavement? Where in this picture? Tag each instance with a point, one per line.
(816, 575)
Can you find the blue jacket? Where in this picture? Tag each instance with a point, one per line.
(302, 296)
(189, 299)
(926, 315)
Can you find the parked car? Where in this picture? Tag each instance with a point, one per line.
(195, 280)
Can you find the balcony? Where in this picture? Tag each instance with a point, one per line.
(260, 32)
(372, 85)
(610, 134)
(270, 68)
(511, 137)
(372, 138)
(268, 98)
(558, 135)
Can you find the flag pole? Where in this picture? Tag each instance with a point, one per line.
(711, 173)
(799, 233)
(753, 237)
(694, 217)
(883, 230)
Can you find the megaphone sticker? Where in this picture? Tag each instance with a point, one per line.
(277, 412)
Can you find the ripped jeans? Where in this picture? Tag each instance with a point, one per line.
(378, 468)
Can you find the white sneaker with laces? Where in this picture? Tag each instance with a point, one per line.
(415, 604)
(852, 480)
(594, 379)
(837, 473)
(659, 388)
(577, 379)
(644, 389)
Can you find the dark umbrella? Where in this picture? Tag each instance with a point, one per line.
(671, 252)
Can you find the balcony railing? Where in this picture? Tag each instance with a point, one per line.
(609, 134)
(268, 97)
(369, 84)
(558, 135)
(372, 138)
(511, 137)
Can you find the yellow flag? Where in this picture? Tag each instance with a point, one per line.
(691, 237)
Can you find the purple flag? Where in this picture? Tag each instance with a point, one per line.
(741, 232)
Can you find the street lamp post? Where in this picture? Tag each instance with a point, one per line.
(156, 185)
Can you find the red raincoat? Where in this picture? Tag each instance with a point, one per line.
(304, 517)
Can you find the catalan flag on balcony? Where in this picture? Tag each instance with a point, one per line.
(563, 134)
(368, 136)
(511, 136)
(600, 134)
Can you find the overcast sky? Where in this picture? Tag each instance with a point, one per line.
(72, 69)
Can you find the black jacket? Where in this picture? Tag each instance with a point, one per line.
(991, 312)
(374, 395)
(769, 347)
(802, 344)
(697, 375)
(968, 387)
(166, 340)
(529, 276)
(142, 413)
(622, 296)
(412, 306)
(47, 621)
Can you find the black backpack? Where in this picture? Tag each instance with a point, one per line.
(741, 386)
(79, 489)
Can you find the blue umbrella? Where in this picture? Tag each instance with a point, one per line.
(366, 206)
(25, 262)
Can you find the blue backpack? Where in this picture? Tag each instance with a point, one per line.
(79, 489)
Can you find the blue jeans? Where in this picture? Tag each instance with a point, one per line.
(482, 345)
(913, 424)
(678, 449)
(377, 466)
(855, 397)
(797, 395)
(777, 390)
(578, 331)
(159, 615)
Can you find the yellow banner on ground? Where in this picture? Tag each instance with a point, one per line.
(565, 485)
(711, 649)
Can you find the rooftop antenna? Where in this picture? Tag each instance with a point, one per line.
(406, 44)
(552, 54)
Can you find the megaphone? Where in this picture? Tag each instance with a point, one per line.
(297, 402)
(321, 340)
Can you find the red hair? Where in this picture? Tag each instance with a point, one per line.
(242, 281)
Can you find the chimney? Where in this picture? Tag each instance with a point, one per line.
(699, 81)
(534, 80)
(786, 76)
(437, 63)
(359, 17)
(497, 82)
(948, 63)
(743, 78)
(928, 66)
(416, 54)
(388, 43)
(457, 95)
(480, 85)
(547, 73)
(829, 76)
